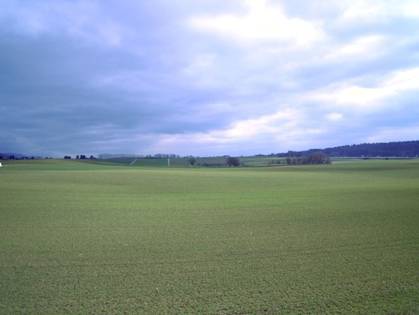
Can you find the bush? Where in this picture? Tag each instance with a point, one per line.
(232, 161)
(192, 161)
(314, 158)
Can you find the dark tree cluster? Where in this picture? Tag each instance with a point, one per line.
(314, 158)
(192, 161)
(17, 157)
(392, 149)
(232, 161)
(84, 157)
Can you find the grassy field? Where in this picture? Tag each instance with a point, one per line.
(83, 237)
(184, 161)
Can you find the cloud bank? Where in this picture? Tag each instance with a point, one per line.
(206, 78)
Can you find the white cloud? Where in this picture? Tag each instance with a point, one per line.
(263, 22)
(369, 97)
(364, 10)
(333, 117)
(267, 124)
(282, 130)
(368, 46)
(246, 129)
(369, 11)
(411, 9)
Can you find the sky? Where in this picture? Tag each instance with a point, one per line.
(207, 77)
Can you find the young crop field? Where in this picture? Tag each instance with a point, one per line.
(106, 238)
(185, 162)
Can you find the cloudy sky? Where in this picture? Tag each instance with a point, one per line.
(206, 77)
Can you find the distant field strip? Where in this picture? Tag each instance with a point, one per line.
(98, 237)
(133, 162)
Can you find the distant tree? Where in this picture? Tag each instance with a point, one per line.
(275, 162)
(192, 161)
(317, 158)
(77, 157)
(313, 158)
(368, 150)
(92, 157)
(67, 157)
(82, 157)
(11, 157)
(232, 161)
(294, 160)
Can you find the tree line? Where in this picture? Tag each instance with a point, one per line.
(80, 157)
(314, 158)
(390, 149)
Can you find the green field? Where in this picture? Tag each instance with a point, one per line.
(91, 238)
(184, 161)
